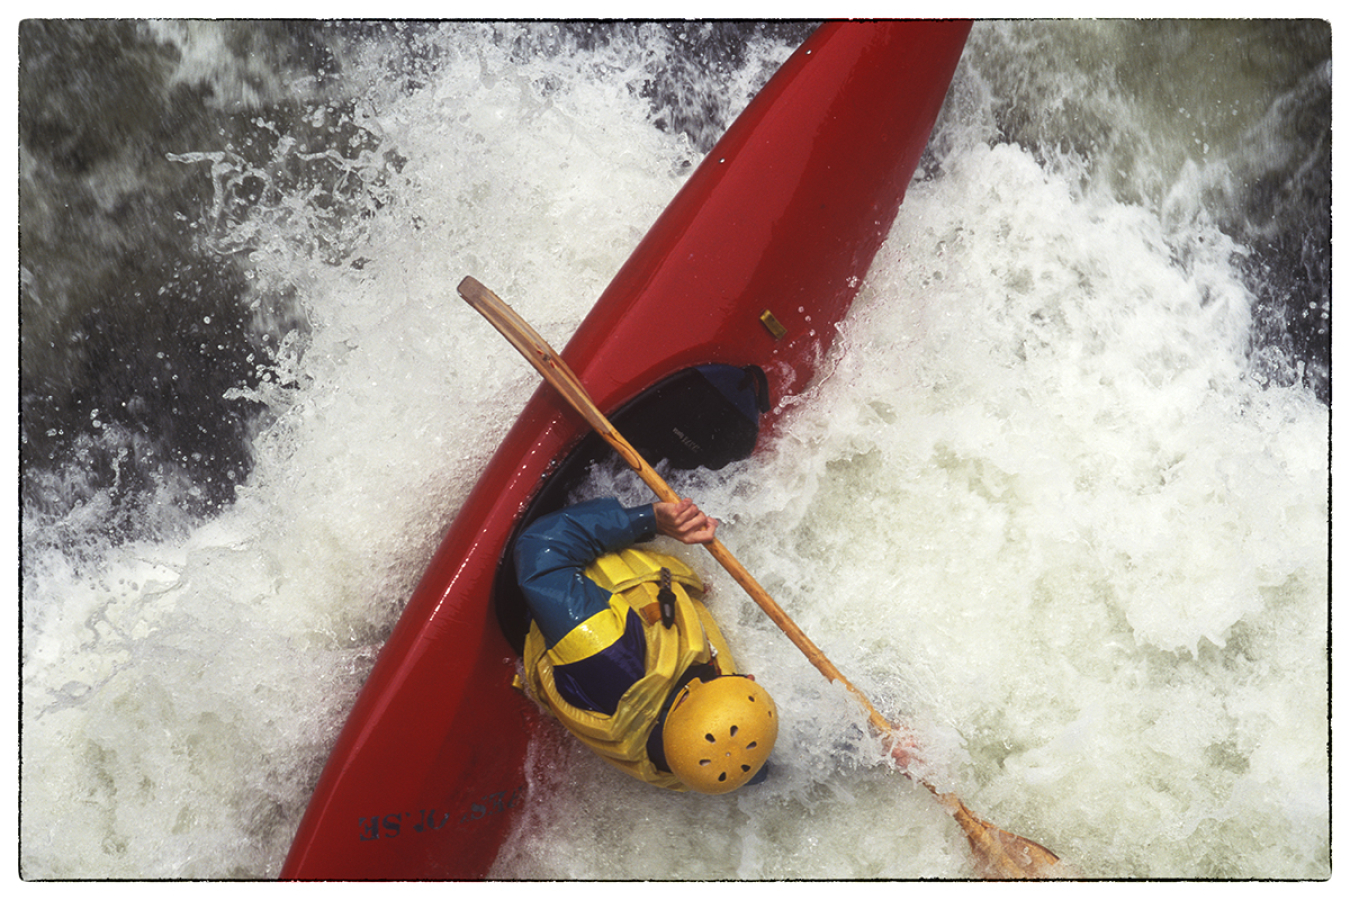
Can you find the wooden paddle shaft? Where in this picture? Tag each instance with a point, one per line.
(560, 375)
(1002, 853)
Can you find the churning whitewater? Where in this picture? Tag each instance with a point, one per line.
(1058, 502)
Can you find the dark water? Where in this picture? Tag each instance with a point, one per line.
(136, 320)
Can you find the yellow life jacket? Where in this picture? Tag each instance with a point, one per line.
(632, 577)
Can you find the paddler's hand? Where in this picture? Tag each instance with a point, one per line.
(685, 522)
(903, 748)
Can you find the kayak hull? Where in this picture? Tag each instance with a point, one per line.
(783, 217)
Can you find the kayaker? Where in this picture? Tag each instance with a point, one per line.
(623, 652)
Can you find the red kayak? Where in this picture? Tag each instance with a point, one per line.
(726, 307)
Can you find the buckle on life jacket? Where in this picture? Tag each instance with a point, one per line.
(665, 598)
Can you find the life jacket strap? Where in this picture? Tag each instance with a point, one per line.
(665, 598)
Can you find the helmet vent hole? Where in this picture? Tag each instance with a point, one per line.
(752, 745)
(734, 729)
(704, 762)
(745, 768)
(722, 777)
(710, 739)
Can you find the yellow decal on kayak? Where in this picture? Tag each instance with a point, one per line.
(774, 326)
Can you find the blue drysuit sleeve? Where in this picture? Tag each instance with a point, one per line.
(552, 553)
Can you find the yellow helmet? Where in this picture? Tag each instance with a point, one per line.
(719, 733)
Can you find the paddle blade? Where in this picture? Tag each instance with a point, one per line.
(1001, 854)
